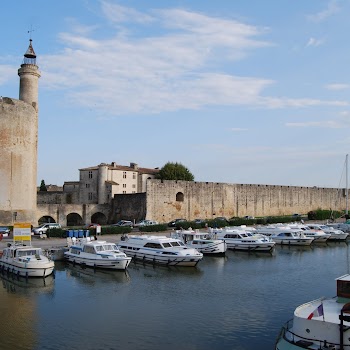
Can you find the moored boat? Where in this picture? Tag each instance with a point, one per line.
(320, 324)
(202, 241)
(25, 260)
(160, 250)
(97, 254)
(238, 239)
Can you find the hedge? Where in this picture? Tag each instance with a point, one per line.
(153, 228)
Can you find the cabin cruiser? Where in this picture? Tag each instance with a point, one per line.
(290, 236)
(319, 235)
(25, 260)
(202, 241)
(238, 239)
(335, 234)
(97, 254)
(160, 250)
(320, 324)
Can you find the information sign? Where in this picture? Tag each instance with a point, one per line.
(22, 231)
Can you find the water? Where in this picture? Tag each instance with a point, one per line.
(235, 302)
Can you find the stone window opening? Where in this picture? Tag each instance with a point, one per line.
(179, 197)
(90, 174)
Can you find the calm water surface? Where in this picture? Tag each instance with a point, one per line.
(235, 302)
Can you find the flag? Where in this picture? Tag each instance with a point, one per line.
(317, 312)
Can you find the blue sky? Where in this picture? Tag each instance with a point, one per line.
(253, 92)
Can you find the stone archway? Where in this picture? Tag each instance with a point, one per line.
(46, 219)
(74, 219)
(99, 218)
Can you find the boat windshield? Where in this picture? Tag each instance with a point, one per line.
(28, 252)
(109, 247)
(176, 244)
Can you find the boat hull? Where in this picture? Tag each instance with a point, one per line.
(112, 264)
(300, 241)
(27, 269)
(215, 248)
(162, 260)
(259, 247)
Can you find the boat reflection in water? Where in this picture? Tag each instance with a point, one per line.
(96, 276)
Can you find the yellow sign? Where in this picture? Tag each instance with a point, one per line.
(22, 231)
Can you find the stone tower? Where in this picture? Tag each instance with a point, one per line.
(18, 147)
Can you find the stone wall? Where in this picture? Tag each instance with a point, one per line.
(167, 200)
(18, 161)
(128, 207)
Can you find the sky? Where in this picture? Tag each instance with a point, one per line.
(247, 92)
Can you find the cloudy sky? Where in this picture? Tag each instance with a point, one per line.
(238, 91)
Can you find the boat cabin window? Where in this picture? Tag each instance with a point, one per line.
(90, 249)
(176, 244)
(166, 245)
(343, 289)
(109, 247)
(27, 252)
(153, 245)
(75, 250)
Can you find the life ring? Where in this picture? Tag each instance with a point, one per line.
(1, 236)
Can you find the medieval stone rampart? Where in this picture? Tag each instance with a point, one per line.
(167, 200)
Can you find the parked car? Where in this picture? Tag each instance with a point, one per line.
(146, 223)
(221, 218)
(124, 223)
(92, 225)
(176, 222)
(4, 231)
(43, 228)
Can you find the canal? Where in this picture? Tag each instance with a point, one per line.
(235, 302)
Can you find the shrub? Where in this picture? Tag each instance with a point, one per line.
(153, 228)
(56, 233)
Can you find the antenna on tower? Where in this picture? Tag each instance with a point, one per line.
(30, 32)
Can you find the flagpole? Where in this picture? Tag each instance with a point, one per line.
(322, 309)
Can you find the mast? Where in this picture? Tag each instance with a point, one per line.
(346, 184)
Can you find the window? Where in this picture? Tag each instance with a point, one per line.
(133, 191)
(179, 197)
(90, 174)
(90, 195)
(124, 185)
(133, 175)
(124, 174)
(87, 185)
(124, 192)
(133, 186)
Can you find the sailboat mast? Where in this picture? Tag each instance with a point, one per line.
(346, 182)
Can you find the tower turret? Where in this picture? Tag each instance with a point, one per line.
(29, 75)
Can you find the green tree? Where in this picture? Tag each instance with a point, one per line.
(43, 186)
(175, 171)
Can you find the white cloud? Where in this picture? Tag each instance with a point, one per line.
(121, 14)
(332, 124)
(314, 42)
(332, 8)
(182, 68)
(337, 86)
(238, 129)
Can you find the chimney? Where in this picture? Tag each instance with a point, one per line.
(134, 166)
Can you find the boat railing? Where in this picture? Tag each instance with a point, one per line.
(298, 340)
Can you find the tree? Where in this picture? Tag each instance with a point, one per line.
(175, 171)
(43, 186)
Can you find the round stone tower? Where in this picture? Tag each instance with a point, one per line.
(18, 147)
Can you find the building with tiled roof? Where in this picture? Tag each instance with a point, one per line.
(98, 184)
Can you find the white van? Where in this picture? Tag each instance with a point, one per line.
(43, 228)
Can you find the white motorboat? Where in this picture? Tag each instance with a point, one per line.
(291, 237)
(242, 240)
(97, 254)
(202, 241)
(25, 260)
(319, 235)
(160, 250)
(335, 234)
(320, 324)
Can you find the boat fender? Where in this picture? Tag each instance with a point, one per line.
(1, 236)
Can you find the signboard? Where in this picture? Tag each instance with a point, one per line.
(22, 231)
